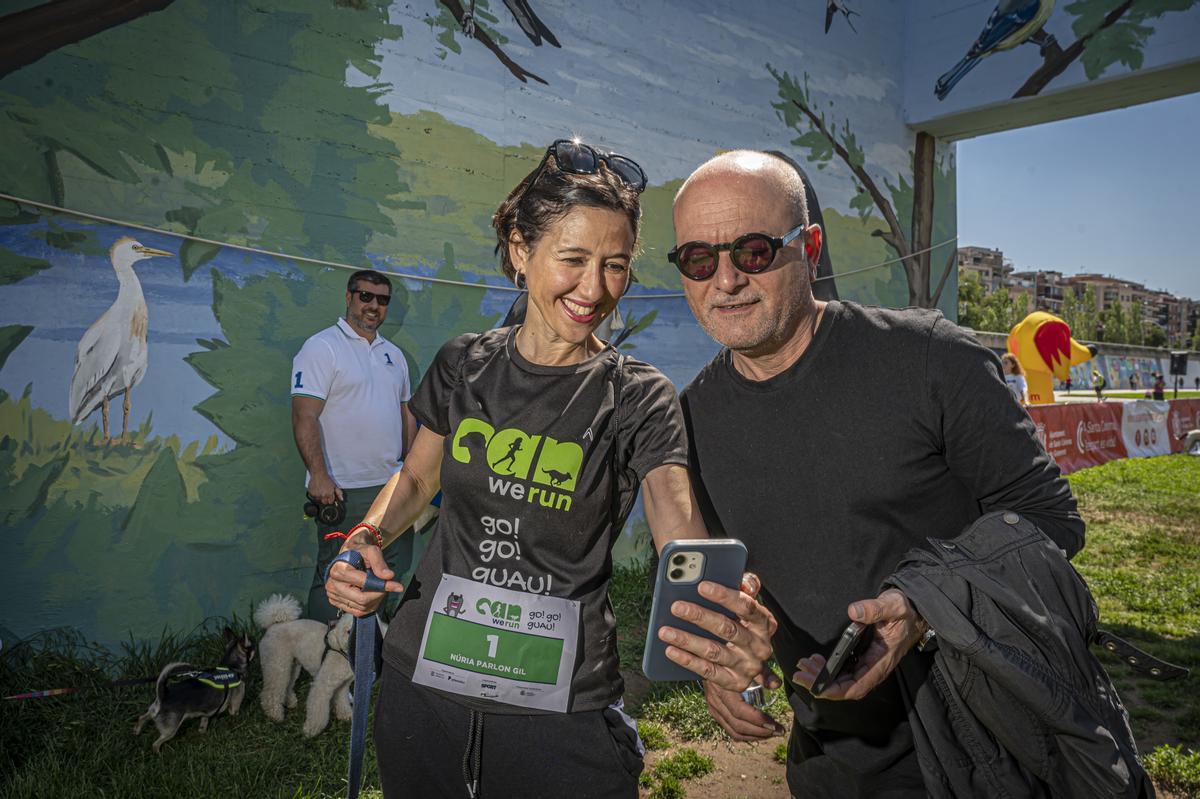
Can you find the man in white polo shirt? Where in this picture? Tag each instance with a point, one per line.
(350, 390)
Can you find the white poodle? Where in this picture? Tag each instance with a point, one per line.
(291, 643)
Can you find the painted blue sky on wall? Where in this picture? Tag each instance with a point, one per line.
(670, 83)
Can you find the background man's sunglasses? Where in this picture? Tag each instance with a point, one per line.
(365, 297)
(751, 253)
(580, 159)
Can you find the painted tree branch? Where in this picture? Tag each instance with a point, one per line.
(26, 36)
(1057, 59)
(895, 236)
(518, 71)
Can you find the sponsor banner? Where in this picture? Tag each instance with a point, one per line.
(1080, 435)
(1088, 434)
(1144, 428)
(1183, 416)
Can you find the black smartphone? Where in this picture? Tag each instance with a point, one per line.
(682, 565)
(850, 647)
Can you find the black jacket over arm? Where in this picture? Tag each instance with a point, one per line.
(1014, 704)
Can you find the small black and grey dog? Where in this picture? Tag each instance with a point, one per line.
(185, 691)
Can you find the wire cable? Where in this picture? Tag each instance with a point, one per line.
(404, 275)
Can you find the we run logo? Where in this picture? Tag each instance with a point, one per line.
(501, 613)
(549, 466)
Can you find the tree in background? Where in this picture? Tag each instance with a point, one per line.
(1196, 338)
(1154, 336)
(826, 139)
(1135, 325)
(1111, 324)
(1079, 312)
(970, 300)
(995, 312)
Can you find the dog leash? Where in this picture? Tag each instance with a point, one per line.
(365, 630)
(64, 691)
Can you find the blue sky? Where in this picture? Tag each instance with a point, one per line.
(1114, 193)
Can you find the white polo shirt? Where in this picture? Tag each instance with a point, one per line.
(362, 384)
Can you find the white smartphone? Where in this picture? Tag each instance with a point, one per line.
(682, 565)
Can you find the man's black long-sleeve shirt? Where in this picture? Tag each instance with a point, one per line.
(893, 427)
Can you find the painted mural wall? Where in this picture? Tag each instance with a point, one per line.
(358, 133)
(978, 53)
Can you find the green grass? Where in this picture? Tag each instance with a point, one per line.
(1175, 770)
(1183, 394)
(1142, 560)
(666, 779)
(630, 592)
(1080, 392)
(653, 735)
(83, 744)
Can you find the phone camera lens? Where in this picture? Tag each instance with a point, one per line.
(676, 574)
(679, 560)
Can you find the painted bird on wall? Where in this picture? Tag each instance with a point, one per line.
(111, 356)
(835, 7)
(1043, 346)
(1012, 22)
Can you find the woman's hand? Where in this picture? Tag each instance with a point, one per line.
(344, 586)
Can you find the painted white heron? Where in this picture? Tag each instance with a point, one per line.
(111, 356)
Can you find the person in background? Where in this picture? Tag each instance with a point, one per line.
(1014, 376)
(1133, 381)
(1098, 384)
(1160, 386)
(350, 418)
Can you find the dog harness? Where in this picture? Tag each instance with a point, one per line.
(221, 677)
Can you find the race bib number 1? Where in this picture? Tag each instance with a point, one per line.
(495, 643)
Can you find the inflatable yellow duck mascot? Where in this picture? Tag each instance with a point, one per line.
(1043, 346)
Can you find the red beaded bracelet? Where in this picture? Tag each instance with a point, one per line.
(375, 532)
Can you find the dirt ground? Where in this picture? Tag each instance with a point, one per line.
(743, 770)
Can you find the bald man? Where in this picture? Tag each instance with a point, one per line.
(832, 438)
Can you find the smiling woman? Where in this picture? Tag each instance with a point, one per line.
(539, 437)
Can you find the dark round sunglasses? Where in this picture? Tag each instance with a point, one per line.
(365, 297)
(578, 158)
(751, 253)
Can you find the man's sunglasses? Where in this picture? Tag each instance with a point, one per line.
(365, 297)
(578, 158)
(751, 253)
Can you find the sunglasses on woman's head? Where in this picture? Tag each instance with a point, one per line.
(578, 158)
(751, 253)
(365, 297)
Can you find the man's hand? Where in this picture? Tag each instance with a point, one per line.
(740, 662)
(322, 488)
(742, 721)
(344, 586)
(897, 630)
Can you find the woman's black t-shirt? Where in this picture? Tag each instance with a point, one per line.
(534, 445)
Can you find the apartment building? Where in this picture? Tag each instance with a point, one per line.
(989, 265)
(1046, 289)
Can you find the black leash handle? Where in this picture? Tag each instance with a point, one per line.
(1139, 660)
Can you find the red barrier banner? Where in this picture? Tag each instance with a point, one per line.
(1183, 416)
(1080, 435)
